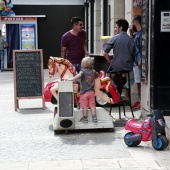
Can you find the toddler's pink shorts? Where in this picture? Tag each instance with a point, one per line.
(87, 99)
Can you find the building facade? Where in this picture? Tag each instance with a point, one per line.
(56, 22)
(99, 17)
(102, 15)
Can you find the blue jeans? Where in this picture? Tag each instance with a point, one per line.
(78, 67)
(2, 59)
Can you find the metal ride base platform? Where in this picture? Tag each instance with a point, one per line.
(68, 118)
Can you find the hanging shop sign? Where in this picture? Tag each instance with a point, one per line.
(27, 36)
(18, 18)
(165, 21)
(136, 7)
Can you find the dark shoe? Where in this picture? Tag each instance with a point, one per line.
(84, 120)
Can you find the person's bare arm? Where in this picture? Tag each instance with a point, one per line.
(85, 49)
(75, 77)
(131, 32)
(6, 45)
(63, 52)
(107, 57)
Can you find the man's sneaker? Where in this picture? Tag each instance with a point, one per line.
(94, 118)
(124, 94)
(84, 120)
(137, 103)
(137, 107)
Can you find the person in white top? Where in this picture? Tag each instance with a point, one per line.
(3, 45)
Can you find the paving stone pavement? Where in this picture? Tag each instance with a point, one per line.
(27, 141)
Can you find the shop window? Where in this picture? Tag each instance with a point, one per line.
(106, 17)
(92, 27)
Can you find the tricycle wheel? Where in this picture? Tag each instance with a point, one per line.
(130, 143)
(166, 142)
(137, 142)
(162, 142)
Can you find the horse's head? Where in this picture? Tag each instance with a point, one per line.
(52, 67)
(60, 65)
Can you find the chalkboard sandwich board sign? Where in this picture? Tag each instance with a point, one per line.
(28, 75)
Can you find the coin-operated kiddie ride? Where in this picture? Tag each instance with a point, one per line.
(67, 114)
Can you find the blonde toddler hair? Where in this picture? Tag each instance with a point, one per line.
(87, 63)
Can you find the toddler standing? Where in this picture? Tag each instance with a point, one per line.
(87, 94)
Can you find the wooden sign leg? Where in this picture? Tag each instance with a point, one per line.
(43, 103)
(16, 104)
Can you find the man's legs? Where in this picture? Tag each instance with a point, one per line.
(139, 89)
(78, 67)
(137, 77)
(125, 90)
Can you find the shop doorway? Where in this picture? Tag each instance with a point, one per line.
(12, 37)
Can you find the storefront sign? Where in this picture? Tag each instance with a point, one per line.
(27, 36)
(49, 2)
(17, 18)
(165, 21)
(136, 7)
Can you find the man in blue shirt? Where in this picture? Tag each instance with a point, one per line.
(137, 35)
(123, 53)
(123, 48)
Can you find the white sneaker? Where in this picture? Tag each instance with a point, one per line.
(94, 118)
(124, 94)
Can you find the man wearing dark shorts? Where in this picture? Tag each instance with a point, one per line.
(137, 35)
(73, 43)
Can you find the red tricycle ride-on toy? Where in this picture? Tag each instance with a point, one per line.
(152, 129)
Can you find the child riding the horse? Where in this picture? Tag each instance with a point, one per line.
(87, 94)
